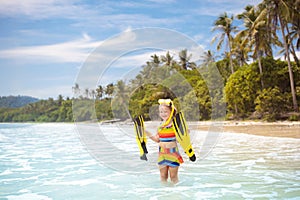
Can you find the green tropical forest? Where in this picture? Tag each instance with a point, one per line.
(256, 84)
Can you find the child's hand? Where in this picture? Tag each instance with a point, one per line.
(155, 138)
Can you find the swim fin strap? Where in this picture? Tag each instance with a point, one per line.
(183, 136)
(141, 138)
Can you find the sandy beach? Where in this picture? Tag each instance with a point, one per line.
(273, 129)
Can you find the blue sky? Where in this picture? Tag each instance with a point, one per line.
(45, 43)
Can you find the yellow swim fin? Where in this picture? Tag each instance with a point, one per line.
(182, 135)
(141, 138)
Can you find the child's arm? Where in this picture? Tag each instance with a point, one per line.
(152, 137)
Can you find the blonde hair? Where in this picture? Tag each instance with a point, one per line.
(168, 103)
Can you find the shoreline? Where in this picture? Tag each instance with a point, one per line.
(287, 129)
(270, 129)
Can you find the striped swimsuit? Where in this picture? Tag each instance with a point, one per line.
(168, 156)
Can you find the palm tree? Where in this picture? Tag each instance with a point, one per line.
(280, 14)
(138, 81)
(293, 33)
(60, 99)
(155, 60)
(184, 60)
(149, 68)
(76, 89)
(207, 58)
(109, 89)
(224, 25)
(86, 91)
(93, 94)
(167, 59)
(99, 92)
(120, 99)
(240, 50)
(256, 34)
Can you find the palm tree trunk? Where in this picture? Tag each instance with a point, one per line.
(260, 72)
(231, 64)
(230, 56)
(295, 105)
(235, 110)
(295, 56)
(292, 47)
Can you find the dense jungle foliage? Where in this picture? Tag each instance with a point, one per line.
(242, 93)
(247, 82)
(16, 101)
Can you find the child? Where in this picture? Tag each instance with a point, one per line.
(169, 158)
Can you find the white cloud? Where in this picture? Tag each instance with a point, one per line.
(37, 9)
(199, 37)
(70, 51)
(216, 7)
(104, 14)
(291, 57)
(162, 2)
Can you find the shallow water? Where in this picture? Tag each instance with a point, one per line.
(49, 161)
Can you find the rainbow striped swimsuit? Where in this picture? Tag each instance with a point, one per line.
(168, 156)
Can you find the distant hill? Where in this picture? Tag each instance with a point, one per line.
(16, 101)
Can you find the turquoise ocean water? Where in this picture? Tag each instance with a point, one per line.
(49, 161)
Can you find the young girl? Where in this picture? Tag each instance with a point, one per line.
(169, 158)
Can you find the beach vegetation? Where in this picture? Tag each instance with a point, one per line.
(256, 62)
